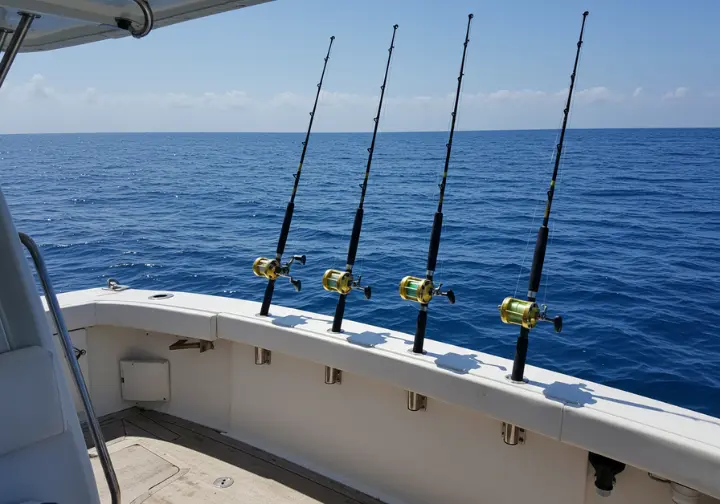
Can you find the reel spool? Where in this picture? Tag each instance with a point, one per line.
(526, 314)
(416, 289)
(343, 282)
(268, 268)
(272, 269)
(422, 290)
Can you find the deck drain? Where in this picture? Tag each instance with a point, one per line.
(161, 296)
(223, 482)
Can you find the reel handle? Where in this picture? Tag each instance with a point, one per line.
(367, 290)
(448, 293)
(557, 320)
(296, 283)
(300, 259)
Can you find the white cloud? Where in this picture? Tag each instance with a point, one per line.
(91, 95)
(506, 94)
(598, 94)
(680, 92)
(287, 98)
(36, 106)
(34, 89)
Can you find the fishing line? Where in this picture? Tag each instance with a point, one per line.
(527, 244)
(526, 313)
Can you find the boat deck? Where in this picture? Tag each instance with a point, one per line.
(160, 458)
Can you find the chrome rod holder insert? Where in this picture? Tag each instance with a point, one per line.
(57, 316)
(512, 434)
(16, 41)
(415, 401)
(262, 356)
(332, 375)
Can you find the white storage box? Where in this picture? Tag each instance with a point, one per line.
(145, 380)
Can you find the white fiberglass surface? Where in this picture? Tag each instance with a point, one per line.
(64, 23)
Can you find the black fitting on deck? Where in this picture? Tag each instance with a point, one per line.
(605, 471)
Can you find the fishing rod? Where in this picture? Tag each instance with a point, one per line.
(343, 282)
(527, 313)
(272, 269)
(423, 290)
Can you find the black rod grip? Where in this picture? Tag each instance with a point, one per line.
(285, 228)
(355, 238)
(434, 241)
(265, 308)
(538, 259)
(339, 314)
(521, 348)
(420, 331)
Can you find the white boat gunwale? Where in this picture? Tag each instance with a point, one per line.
(660, 438)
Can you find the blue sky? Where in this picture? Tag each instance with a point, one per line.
(644, 64)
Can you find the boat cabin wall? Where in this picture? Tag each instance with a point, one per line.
(358, 432)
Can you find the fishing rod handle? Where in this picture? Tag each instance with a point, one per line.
(538, 262)
(521, 348)
(355, 238)
(434, 243)
(420, 328)
(267, 299)
(285, 230)
(339, 314)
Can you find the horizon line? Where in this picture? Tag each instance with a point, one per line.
(344, 132)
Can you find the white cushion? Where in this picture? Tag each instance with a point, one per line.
(30, 405)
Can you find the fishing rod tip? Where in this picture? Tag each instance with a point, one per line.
(332, 37)
(586, 13)
(395, 27)
(470, 16)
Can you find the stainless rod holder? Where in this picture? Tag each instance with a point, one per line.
(512, 434)
(14, 46)
(415, 401)
(262, 356)
(67, 345)
(332, 375)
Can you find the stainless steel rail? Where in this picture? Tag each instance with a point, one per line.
(67, 345)
(15, 42)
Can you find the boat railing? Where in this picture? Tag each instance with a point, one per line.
(57, 316)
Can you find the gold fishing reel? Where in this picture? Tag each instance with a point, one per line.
(343, 282)
(526, 314)
(422, 290)
(272, 269)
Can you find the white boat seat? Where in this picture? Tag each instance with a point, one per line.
(39, 462)
(27, 379)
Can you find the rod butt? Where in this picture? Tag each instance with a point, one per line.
(419, 342)
(267, 299)
(339, 314)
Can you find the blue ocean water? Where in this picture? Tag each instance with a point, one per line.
(633, 263)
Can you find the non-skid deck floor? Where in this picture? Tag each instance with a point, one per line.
(159, 458)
